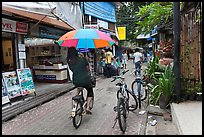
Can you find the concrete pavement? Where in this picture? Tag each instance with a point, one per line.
(51, 118)
(188, 117)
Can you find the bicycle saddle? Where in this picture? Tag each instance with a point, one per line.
(77, 97)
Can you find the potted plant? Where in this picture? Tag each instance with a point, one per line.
(162, 92)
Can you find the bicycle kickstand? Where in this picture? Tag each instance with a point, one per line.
(115, 122)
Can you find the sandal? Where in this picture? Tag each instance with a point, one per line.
(88, 112)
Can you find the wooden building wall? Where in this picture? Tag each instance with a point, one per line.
(191, 52)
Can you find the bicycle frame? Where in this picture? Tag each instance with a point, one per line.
(78, 99)
(123, 97)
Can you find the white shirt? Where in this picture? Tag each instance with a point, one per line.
(137, 56)
(124, 56)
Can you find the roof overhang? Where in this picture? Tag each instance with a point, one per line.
(38, 17)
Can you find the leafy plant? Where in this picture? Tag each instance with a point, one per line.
(151, 15)
(164, 86)
(198, 86)
(152, 68)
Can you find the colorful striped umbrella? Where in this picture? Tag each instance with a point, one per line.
(85, 38)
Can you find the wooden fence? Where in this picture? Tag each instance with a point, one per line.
(191, 52)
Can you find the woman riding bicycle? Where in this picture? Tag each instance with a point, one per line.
(81, 78)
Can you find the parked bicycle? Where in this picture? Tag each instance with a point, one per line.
(124, 104)
(138, 87)
(79, 105)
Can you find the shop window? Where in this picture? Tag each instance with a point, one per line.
(111, 26)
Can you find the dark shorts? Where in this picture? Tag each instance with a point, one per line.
(89, 91)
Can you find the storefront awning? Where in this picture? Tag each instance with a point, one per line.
(38, 17)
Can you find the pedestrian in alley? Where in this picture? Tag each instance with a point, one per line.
(108, 59)
(115, 67)
(124, 60)
(81, 77)
(138, 60)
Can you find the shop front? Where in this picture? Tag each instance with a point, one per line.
(15, 77)
(47, 60)
(12, 33)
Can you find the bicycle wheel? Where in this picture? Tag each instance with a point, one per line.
(136, 86)
(119, 92)
(78, 115)
(122, 116)
(132, 101)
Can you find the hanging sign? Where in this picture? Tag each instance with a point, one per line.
(122, 33)
(25, 81)
(12, 84)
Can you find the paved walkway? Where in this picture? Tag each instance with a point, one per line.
(188, 117)
(52, 118)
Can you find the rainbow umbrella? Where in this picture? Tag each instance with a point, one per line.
(85, 38)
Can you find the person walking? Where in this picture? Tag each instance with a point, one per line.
(124, 60)
(138, 60)
(81, 78)
(108, 59)
(116, 67)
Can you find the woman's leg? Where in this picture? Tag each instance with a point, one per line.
(89, 97)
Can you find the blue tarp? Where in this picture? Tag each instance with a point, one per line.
(101, 10)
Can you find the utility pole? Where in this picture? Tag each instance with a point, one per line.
(176, 25)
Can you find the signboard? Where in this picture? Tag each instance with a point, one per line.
(45, 31)
(26, 81)
(14, 26)
(122, 33)
(5, 98)
(83, 50)
(48, 32)
(22, 55)
(45, 77)
(102, 24)
(21, 47)
(91, 26)
(12, 84)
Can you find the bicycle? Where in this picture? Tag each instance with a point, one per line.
(137, 87)
(79, 105)
(123, 102)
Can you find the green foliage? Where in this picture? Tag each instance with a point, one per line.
(198, 86)
(152, 67)
(125, 16)
(151, 15)
(164, 86)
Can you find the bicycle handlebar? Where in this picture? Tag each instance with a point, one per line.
(125, 71)
(113, 79)
(116, 77)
